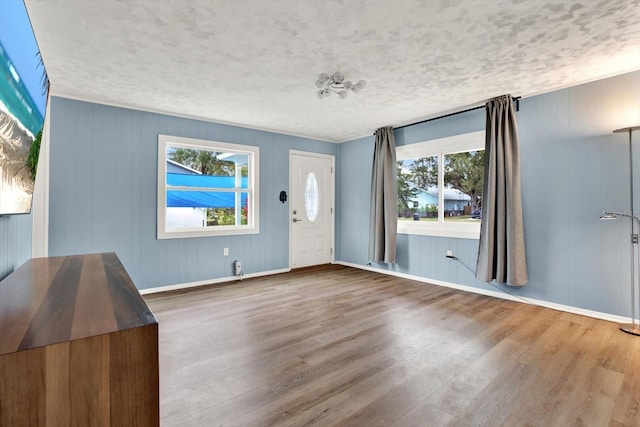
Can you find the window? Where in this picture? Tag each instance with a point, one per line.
(206, 188)
(311, 197)
(440, 186)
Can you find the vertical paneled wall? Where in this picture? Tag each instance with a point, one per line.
(103, 193)
(15, 242)
(573, 168)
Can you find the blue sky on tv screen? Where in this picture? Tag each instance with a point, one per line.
(19, 43)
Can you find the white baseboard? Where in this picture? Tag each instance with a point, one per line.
(466, 288)
(180, 286)
(496, 294)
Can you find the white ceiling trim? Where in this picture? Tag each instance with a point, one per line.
(183, 116)
(397, 125)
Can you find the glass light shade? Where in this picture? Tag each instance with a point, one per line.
(336, 83)
(606, 216)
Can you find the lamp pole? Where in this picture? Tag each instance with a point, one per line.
(632, 328)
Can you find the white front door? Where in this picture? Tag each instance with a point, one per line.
(311, 215)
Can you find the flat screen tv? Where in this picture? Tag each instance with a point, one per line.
(23, 97)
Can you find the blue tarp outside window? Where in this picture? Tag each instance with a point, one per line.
(204, 199)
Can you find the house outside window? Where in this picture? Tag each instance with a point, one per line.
(440, 186)
(206, 188)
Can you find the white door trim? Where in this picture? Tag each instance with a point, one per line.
(40, 200)
(332, 225)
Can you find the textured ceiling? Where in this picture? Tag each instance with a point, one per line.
(255, 62)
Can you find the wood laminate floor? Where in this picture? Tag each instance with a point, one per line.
(334, 345)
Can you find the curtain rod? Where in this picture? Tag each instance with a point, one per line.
(517, 99)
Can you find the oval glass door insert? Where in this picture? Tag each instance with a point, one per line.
(311, 197)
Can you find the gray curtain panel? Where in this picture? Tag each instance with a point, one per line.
(501, 255)
(383, 224)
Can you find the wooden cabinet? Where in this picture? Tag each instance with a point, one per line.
(78, 345)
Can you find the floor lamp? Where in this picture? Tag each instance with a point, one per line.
(633, 327)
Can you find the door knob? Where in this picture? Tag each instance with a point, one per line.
(296, 220)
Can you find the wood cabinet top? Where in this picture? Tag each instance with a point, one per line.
(57, 299)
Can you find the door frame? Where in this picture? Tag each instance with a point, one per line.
(332, 225)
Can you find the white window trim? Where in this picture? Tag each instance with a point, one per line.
(254, 190)
(438, 147)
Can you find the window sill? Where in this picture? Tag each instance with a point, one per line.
(190, 233)
(458, 231)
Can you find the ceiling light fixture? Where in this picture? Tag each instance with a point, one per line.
(337, 84)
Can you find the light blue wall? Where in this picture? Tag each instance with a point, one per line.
(103, 193)
(15, 242)
(103, 196)
(573, 168)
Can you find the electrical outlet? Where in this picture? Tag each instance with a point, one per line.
(449, 254)
(226, 252)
